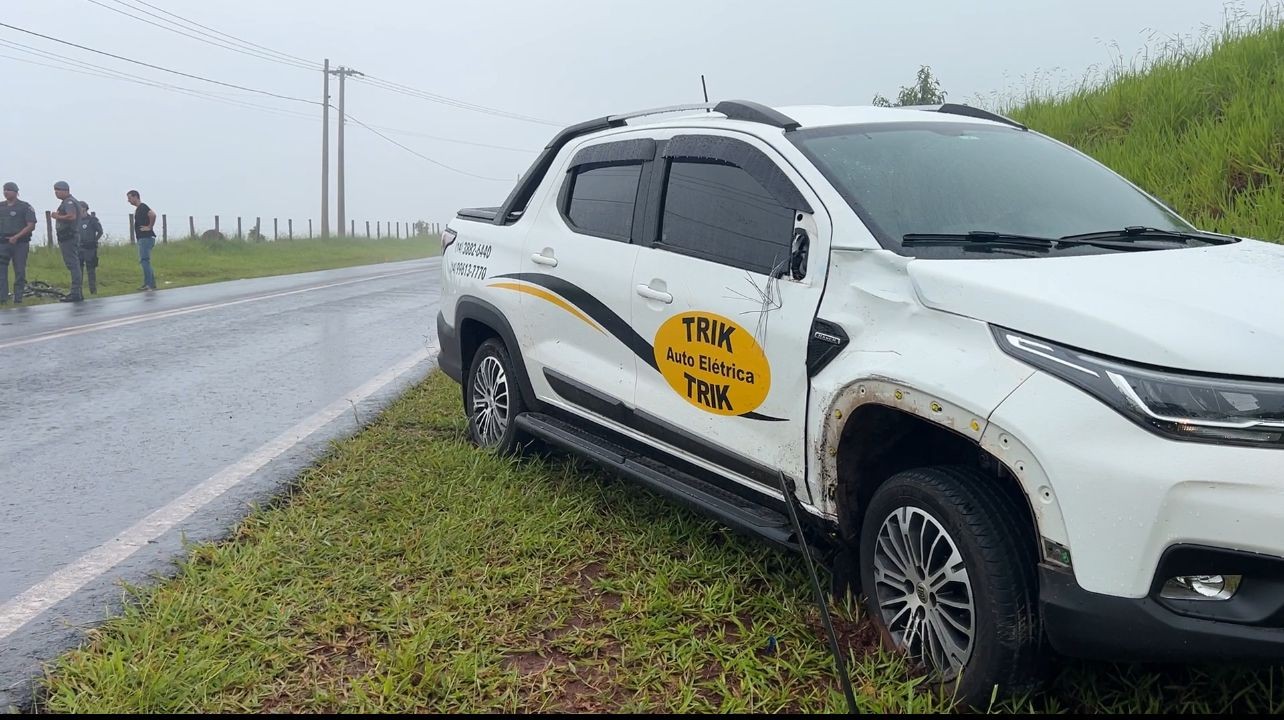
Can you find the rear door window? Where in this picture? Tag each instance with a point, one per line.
(601, 199)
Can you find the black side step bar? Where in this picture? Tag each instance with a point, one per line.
(729, 508)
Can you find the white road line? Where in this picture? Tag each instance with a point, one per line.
(93, 564)
(162, 314)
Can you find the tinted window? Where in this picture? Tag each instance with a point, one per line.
(956, 178)
(602, 198)
(719, 212)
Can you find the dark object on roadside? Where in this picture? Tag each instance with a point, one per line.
(213, 236)
(770, 648)
(39, 288)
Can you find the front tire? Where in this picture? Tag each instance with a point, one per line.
(948, 570)
(493, 400)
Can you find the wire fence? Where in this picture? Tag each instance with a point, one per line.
(255, 229)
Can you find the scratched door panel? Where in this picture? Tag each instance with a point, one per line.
(729, 346)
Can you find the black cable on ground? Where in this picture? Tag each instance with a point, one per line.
(791, 501)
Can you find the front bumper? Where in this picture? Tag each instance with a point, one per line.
(1107, 627)
(1127, 495)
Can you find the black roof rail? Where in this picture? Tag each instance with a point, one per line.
(521, 194)
(756, 112)
(969, 111)
(732, 109)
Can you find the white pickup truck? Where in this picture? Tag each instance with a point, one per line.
(1023, 404)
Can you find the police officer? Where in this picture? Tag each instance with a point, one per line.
(90, 231)
(67, 227)
(17, 220)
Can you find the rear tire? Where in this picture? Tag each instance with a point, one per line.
(493, 400)
(948, 569)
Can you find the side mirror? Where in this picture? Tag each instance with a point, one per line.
(798, 254)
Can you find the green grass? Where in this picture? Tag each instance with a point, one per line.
(1197, 122)
(408, 571)
(197, 261)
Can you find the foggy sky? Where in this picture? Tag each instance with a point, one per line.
(565, 62)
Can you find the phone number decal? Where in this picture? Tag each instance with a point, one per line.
(468, 270)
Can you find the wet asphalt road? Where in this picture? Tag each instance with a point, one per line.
(115, 408)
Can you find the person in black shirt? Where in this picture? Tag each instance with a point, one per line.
(17, 220)
(144, 221)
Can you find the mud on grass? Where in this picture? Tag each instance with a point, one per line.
(410, 572)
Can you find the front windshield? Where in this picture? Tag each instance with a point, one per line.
(948, 177)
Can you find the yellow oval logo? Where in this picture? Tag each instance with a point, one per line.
(713, 362)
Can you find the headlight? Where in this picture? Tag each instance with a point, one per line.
(1179, 405)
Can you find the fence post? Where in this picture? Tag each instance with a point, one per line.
(378, 228)
(191, 225)
(48, 230)
(367, 228)
(353, 231)
(164, 228)
(310, 228)
(258, 227)
(276, 232)
(216, 224)
(398, 229)
(290, 226)
(133, 239)
(238, 227)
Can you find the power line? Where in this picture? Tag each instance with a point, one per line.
(452, 102)
(137, 79)
(443, 100)
(233, 38)
(158, 67)
(416, 133)
(222, 44)
(84, 68)
(260, 51)
(412, 151)
(89, 69)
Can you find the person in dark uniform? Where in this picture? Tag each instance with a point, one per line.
(17, 220)
(90, 232)
(67, 228)
(144, 221)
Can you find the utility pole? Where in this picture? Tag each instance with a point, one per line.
(325, 153)
(343, 74)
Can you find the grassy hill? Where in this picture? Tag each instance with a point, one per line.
(1200, 125)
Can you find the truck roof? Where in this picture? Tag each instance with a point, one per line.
(737, 111)
(804, 116)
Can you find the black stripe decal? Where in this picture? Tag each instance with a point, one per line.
(758, 416)
(606, 317)
(648, 424)
(594, 308)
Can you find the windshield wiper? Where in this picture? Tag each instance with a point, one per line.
(981, 238)
(1148, 233)
(1110, 240)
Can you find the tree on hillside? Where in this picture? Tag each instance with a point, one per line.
(926, 90)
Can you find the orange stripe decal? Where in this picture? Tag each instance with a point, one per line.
(546, 295)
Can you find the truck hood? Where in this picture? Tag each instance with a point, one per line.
(1213, 309)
